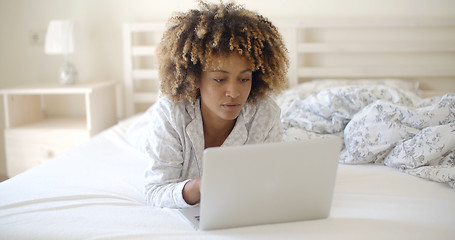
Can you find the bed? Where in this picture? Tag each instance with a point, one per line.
(390, 184)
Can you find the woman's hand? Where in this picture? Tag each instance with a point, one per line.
(192, 191)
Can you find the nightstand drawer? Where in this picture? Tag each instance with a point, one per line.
(26, 148)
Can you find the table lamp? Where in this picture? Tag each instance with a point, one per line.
(60, 40)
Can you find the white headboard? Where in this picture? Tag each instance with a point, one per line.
(141, 83)
(419, 49)
(342, 48)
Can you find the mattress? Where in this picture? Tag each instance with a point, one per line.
(95, 191)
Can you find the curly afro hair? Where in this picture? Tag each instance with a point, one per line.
(195, 38)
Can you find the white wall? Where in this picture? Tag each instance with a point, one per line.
(99, 48)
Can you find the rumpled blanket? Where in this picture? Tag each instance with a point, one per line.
(379, 124)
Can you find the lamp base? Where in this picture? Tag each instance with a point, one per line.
(68, 74)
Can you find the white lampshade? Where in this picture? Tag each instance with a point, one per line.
(59, 37)
(60, 40)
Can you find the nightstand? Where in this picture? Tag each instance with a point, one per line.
(44, 121)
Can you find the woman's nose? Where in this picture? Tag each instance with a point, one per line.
(232, 90)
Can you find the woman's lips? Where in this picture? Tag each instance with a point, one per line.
(231, 106)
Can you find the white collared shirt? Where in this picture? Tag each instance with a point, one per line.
(172, 136)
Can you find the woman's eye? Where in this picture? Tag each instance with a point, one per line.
(218, 79)
(245, 79)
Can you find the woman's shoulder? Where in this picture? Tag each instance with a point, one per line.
(166, 106)
(267, 104)
(265, 107)
(164, 113)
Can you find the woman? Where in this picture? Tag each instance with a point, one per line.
(217, 66)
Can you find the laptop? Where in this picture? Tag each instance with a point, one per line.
(266, 183)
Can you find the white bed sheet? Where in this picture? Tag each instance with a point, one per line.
(95, 192)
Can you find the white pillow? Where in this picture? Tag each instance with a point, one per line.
(306, 89)
(318, 85)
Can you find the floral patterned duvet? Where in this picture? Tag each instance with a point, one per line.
(381, 124)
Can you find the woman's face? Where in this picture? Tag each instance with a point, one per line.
(225, 88)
